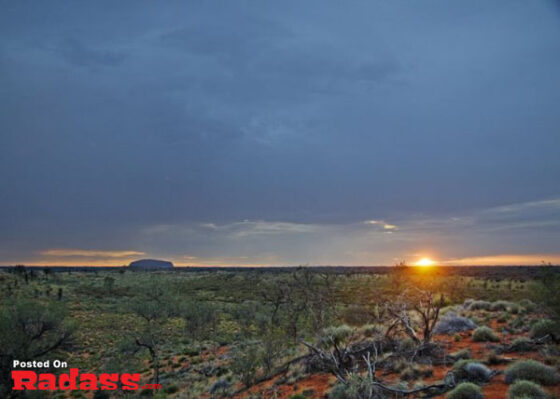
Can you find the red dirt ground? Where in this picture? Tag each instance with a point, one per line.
(495, 389)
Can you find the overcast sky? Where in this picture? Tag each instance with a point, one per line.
(284, 133)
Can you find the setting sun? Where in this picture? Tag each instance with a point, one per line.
(425, 262)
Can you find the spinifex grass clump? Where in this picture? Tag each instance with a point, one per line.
(526, 389)
(533, 371)
(480, 305)
(484, 334)
(543, 328)
(465, 390)
(521, 344)
(500, 306)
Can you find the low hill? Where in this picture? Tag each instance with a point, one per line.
(151, 264)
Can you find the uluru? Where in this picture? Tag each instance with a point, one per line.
(151, 264)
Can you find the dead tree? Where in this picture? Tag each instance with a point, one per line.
(423, 304)
(371, 384)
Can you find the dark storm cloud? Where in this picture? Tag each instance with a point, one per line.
(120, 117)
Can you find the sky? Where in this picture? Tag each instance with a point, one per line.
(279, 133)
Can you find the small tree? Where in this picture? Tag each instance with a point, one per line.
(424, 304)
(30, 330)
(547, 292)
(149, 334)
(245, 361)
(200, 318)
(109, 283)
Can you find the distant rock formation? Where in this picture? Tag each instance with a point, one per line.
(151, 264)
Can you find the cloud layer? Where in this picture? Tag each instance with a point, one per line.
(269, 133)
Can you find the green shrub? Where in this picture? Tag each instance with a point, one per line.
(543, 327)
(521, 344)
(500, 305)
(335, 335)
(357, 387)
(465, 390)
(245, 361)
(518, 322)
(484, 334)
(298, 396)
(406, 345)
(462, 354)
(523, 389)
(369, 330)
(533, 371)
(410, 373)
(480, 305)
(528, 305)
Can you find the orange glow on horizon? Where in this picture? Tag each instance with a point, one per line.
(424, 262)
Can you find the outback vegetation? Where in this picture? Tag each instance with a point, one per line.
(290, 333)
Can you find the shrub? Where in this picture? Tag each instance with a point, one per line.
(480, 305)
(462, 354)
(355, 315)
(467, 303)
(471, 370)
(245, 362)
(369, 330)
(335, 335)
(528, 305)
(410, 373)
(503, 317)
(516, 323)
(451, 323)
(533, 371)
(526, 390)
(521, 344)
(171, 389)
(500, 305)
(356, 387)
(465, 390)
(406, 345)
(543, 328)
(298, 396)
(484, 334)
